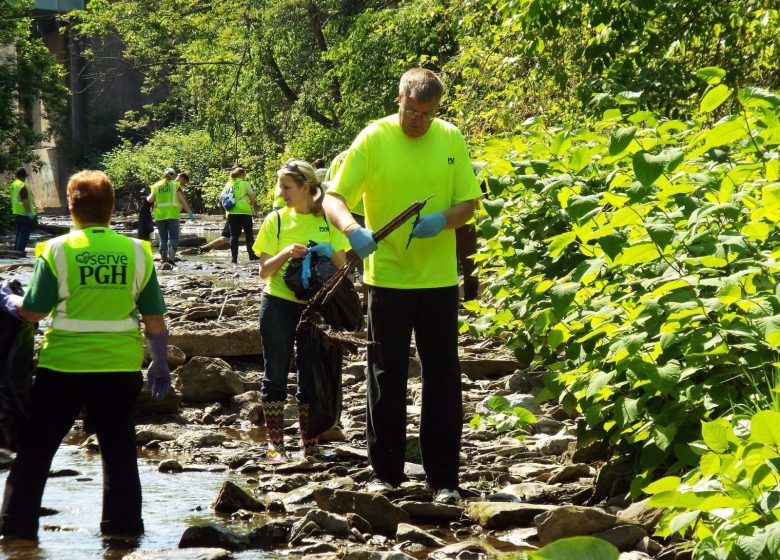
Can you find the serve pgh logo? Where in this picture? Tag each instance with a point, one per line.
(102, 268)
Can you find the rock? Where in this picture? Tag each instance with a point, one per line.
(501, 515)
(329, 523)
(479, 368)
(302, 530)
(624, 537)
(634, 555)
(212, 536)
(201, 438)
(614, 479)
(359, 523)
(178, 554)
(523, 492)
(347, 452)
(146, 404)
(170, 466)
(270, 535)
(571, 521)
(380, 513)
(356, 370)
(57, 473)
(406, 532)
(531, 470)
(553, 445)
(232, 498)
(466, 550)
(250, 406)
(518, 399)
(176, 356)
(217, 339)
(568, 473)
(208, 380)
(415, 368)
(146, 433)
(430, 511)
(641, 514)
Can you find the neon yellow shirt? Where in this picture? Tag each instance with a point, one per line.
(389, 171)
(166, 199)
(293, 228)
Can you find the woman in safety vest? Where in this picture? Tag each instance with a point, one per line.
(284, 236)
(240, 216)
(97, 286)
(168, 200)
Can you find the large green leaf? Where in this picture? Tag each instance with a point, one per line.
(562, 295)
(715, 435)
(711, 74)
(714, 98)
(493, 206)
(648, 167)
(765, 428)
(755, 96)
(581, 548)
(620, 139)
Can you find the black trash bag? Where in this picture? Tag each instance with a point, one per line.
(342, 311)
(325, 400)
(17, 348)
(145, 221)
(322, 268)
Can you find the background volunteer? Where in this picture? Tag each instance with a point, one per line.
(240, 216)
(94, 283)
(22, 209)
(393, 162)
(168, 200)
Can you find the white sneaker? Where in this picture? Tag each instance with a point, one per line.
(448, 496)
(378, 486)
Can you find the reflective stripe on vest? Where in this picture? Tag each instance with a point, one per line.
(62, 322)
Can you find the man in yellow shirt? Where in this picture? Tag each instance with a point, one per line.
(393, 162)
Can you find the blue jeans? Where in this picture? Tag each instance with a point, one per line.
(278, 319)
(23, 229)
(169, 237)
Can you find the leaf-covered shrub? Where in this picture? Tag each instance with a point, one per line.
(634, 258)
(729, 504)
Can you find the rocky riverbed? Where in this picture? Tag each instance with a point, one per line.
(521, 489)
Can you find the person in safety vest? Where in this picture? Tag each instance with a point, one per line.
(168, 199)
(22, 208)
(412, 275)
(240, 216)
(97, 286)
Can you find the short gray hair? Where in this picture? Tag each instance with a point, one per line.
(420, 84)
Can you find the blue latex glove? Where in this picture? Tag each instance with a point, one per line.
(324, 250)
(362, 242)
(306, 271)
(429, 225)
(191, 216)
(9, 301)
(30, 215)
(158, 375)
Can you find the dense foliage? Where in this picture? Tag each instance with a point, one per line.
(729, 503)
(27, 73)
(634, 258)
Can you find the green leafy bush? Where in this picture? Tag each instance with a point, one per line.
(634, 258)
(504, 417)
(730, 503)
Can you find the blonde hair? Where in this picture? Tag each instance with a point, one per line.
(91, 197)
(420, 84)
(303, 172)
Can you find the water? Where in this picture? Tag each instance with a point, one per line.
(171, 503)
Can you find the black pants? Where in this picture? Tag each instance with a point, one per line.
(238, 223)
(433, 316)
(466, 248)
(57, 399)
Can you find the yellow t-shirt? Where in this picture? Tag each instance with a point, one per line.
(389, 171)
(275, 235)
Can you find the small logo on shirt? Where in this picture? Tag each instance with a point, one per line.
(102, 268)
(451, 160)
(324, 229)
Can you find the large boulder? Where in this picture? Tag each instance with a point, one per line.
(383, 516)
(227, 338)
(208, 380)
(501, 515)
(232, 498)
(572, 521)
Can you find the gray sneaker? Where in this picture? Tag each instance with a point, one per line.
(449, 496)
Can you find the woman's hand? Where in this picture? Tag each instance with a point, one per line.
(296, 251)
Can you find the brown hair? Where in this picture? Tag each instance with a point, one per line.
(91, 197)
(303, 172)
(420, 84)
(237, 172)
